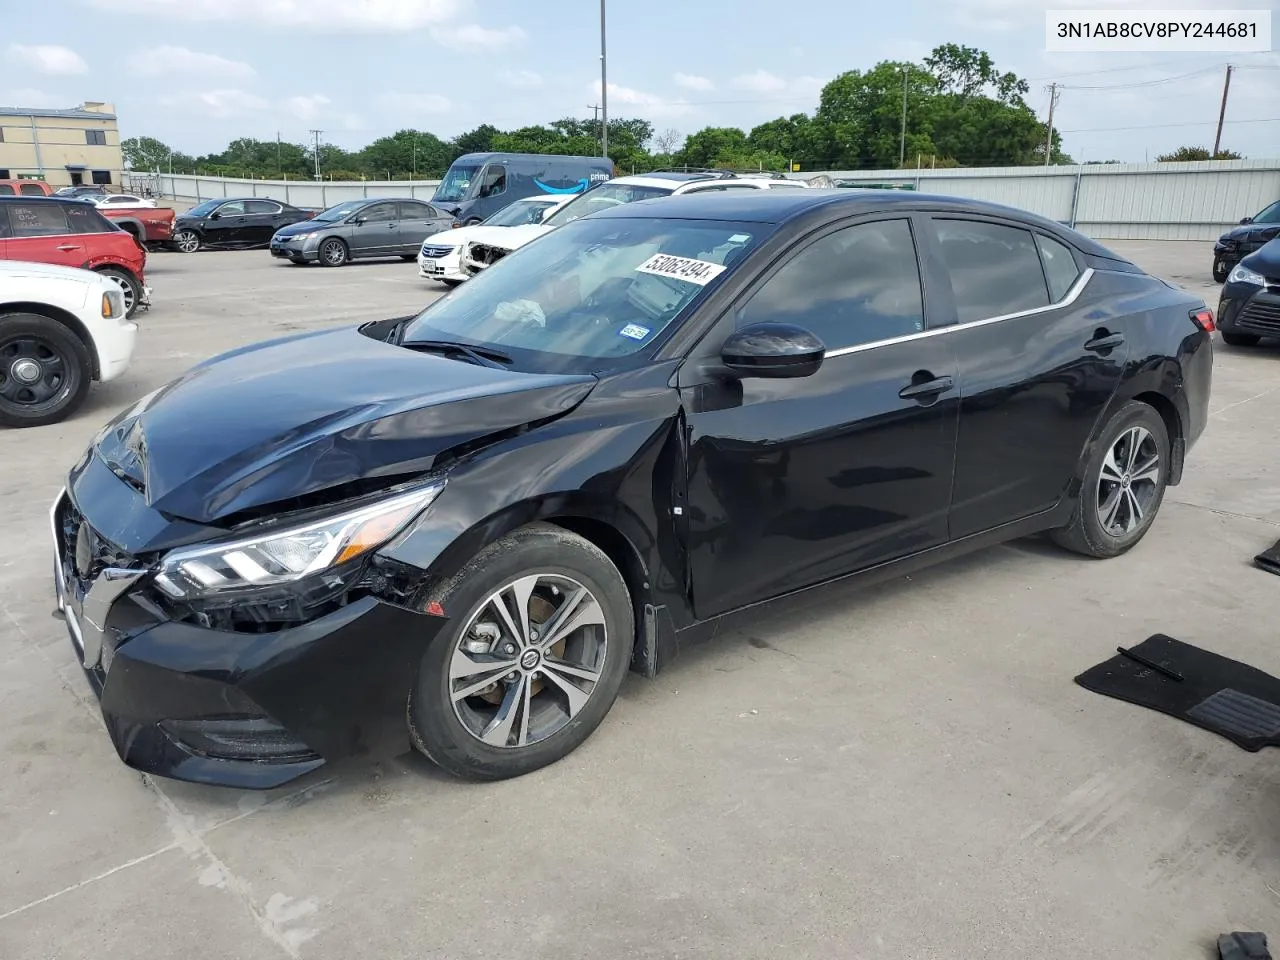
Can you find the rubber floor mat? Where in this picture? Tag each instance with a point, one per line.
(1269, 559)
(1224, 696)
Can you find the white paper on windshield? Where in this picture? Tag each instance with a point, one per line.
(700, 272)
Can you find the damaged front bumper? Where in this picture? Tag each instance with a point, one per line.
(239, 709)
(480, 256)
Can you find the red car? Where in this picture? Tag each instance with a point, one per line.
(71, 233)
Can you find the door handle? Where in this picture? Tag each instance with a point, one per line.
(924, 389)
(68, 247)
(1103, 341)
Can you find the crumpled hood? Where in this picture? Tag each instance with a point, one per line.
(1265, 260)
(301, 414)
(1251, 232)
(509, 238)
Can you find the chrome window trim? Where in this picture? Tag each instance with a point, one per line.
(1072, 296)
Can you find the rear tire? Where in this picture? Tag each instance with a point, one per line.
(1124, 485)
(334, 253)
(528, 705)
(1220, 271)
(1240, 339)
(128, 285)
(44, 370)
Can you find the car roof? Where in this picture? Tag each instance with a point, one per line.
(39, 198)
(780, 206)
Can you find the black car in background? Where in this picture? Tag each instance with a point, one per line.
(234, 223)
(1250, 305)
(1237, 243)
(646, 422)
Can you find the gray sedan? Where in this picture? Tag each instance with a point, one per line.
(361, 228)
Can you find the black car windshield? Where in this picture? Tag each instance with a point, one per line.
(203, 209)
(519, 213)
(1269, 215)
(455, 184)
(593, 296)
(341, 211)
(602, 198)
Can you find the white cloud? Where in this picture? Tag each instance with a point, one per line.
(170, 61)
(643, 104)
(331, 16)
(762, 81)
(47, 59)
(690, 81)
(1002, 16)
(306, 107)
(520, 79)
(220, 104)
(415, 103)
(27, 97)
(472, 37)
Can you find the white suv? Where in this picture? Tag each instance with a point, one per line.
(481, 252)
(60, 328)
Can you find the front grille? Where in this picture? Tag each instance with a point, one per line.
(102, 553)
(436, 253)
(1262, 316)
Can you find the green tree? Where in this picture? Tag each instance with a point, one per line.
(479, 140)
(969, 72)
(1197, 153)
(145, 153)
(404, 154)
(712, 145)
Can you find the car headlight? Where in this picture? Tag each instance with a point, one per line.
(1242, 274)
(290, 554)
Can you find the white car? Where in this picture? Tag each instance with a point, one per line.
(438, 257)
(122, 200)
(60, 328)
(480, 252)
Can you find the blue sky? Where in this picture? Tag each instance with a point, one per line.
(196, 73)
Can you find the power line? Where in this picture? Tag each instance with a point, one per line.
(1147, 83)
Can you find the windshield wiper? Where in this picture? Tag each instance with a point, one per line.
(484, 356)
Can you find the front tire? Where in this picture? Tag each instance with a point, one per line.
(44, 371)
(1240, 339)
(1123, 487)
(450, 283)
(1220, 271)
(128, 285)
(334, 253)
(407, 257)
(539, 643)
(188, 241)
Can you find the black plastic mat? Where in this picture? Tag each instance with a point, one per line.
(1269, 559)
(1224, 696)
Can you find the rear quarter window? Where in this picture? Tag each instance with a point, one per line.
(995, 269)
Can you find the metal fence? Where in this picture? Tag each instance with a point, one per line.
(1129, 201)
(1123, 201)
(300, 193)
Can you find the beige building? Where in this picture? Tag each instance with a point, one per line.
(61, 147)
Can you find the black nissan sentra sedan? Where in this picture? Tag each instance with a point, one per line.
(460, 529)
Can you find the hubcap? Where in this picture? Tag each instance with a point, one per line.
(32, 371)
(528, 661)
(1128, 482)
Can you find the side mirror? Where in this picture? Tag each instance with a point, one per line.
(357, 219)
(215, 215)
(1246, 220)
(774, 350)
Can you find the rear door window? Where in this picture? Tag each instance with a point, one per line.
(995, 270)
(6, 190)
(83, 218)
(1060, 267)
(38, 219)
(263, 207)
(410, 210)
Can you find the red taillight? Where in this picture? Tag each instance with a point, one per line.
(1203, 319)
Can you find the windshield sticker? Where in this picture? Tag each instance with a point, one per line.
(634, 331)
(740, 238)
(700, 272)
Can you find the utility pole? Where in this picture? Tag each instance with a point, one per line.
(316, 135)
(604, 91)
(1222, 112)
(902, 146)
(1048, 140)
(279, 164)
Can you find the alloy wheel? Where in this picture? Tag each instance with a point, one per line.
(528, 660)
(187, 241)
(126, 288)
(1129, 482)
(33, 371)
(334, 253)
